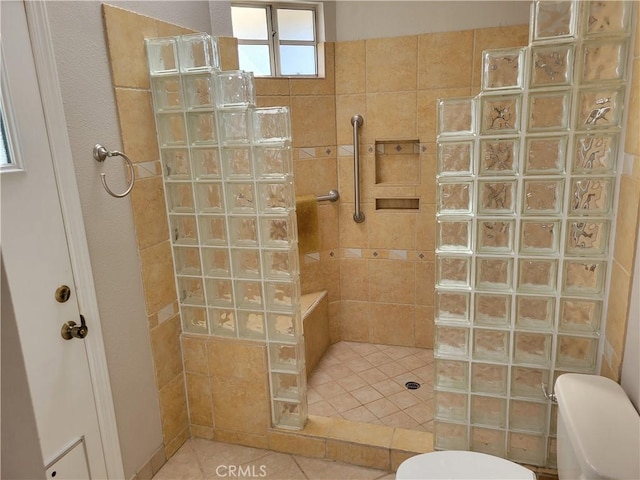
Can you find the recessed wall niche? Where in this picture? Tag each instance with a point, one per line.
(397, 162)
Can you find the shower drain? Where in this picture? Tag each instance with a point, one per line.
(412, 385)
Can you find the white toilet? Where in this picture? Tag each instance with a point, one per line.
(598, 439)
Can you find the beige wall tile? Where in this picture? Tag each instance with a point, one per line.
(165, 29)
(429, 164)
(632, 139)
(425, 283)
(607, 371)
(390, 116)
(346, 107)
(392, 281)
(315, 176)
(357, 432)
(424, 327)
(496, 37)
(355, 454)
(354, 279)
(426, 228)
(322, 275)
(174, 445)
(167, 354)
(137, 125)
(313, 120)
(318, 86)
(329, 228)
(618, 308)
(173, 409)
(273, 101)
(272, 86)
(428, 109)
(352, 234)
(240, 438)
(194, 353)
(297, 444)
(157, 276)
(239, 405)
(627, 222)
(350, 67)
(335, 321)
(392, 324)
(444, 59)
(392, 230)
(412, 441)
(199, 395)
(391, 64)
(228, 53)
(317, 426)
(397, 457)
(249, 360)
(198, 431)
(316, 334)
(354, 317)
(149, 212)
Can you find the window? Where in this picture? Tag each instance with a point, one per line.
(277, 40)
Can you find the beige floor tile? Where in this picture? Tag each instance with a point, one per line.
(313, 396)
(183, 465)
(402, 420)
(373, 375)
(403, 399)
(344, 402)
(364, 349)
(217, 455)
(392, 368)
(360, 414)
(330, 389)
(359, 365)
(322, 409)
(352, 382)
(319, 378)
(316, 469)
(382, 408)
(388, 387)
(278, 466)
(378, 358)
(412, 362)
(366, 394)
(339, 371)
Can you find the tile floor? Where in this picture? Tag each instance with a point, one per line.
(200, 459)
(365, 382)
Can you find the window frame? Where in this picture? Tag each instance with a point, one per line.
(273, 41)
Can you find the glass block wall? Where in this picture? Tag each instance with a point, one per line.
(527, 173)
(228, 180)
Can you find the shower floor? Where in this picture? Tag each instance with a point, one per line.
(365, 382)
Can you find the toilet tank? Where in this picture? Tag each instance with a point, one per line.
(598, 429)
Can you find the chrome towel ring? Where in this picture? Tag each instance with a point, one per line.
(100, 154)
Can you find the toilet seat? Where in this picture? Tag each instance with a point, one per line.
(460, 465)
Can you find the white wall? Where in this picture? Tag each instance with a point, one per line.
(631, 363)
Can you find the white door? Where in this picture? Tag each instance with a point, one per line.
(36, 257)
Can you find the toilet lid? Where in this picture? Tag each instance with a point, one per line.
(458, 465)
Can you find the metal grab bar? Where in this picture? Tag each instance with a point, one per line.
(356, 121)
(332, 196)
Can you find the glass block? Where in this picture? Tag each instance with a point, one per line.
(184, 230)
(190, 290)
(545, 155)
(580, 316)
(584, 277)
(284, 327)
(502, 69)
(248, 294)
(586, 237)
(451, 374)
(282, 296)
(591, 196)
(500, 114)
(198, 52)
(492, 310)
(489, 441)
(455, 197)
(275, 197)
(171, 129)
(451, 406)
(452, 341)
(529, 416)
(537, 276)
(206, 163)
(554, 19)
(499, 156)
(552, 65)
(235, 128)
(273, 162)
(455, 158)
(450, 436)
(595, 153)
(271, 124)
(175, 164)
(235, 88)
(495, 198)
(243, 231)
(607, 18)
(525, 448)
(288, 386)
(199, 91)
(549, 111)
(452, 306)
(223, 322)
(167, 93)
(187, 260)
(237, 163)
(532, 348)
(535, 313)
(491, 345)
(251, 325)
(278, 231)
(526, 382)
(603, 61)
(219, 292)
(540, 237)
(201, 128)
(245, 263)
(216, 262)
(579, 353)
(453, 235)
(453, 271)
(489, 411)
(542, 197)
(162, 55)
(209, 197)
(553, 427)
(599, 108)
(213, 230)
(456, 116)
(494, 274)
(289, 414)
(240, 197)
(285, 357)
(194, 320)
(552, 453)
(495, 236)
(280, 264)
(488, 378)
